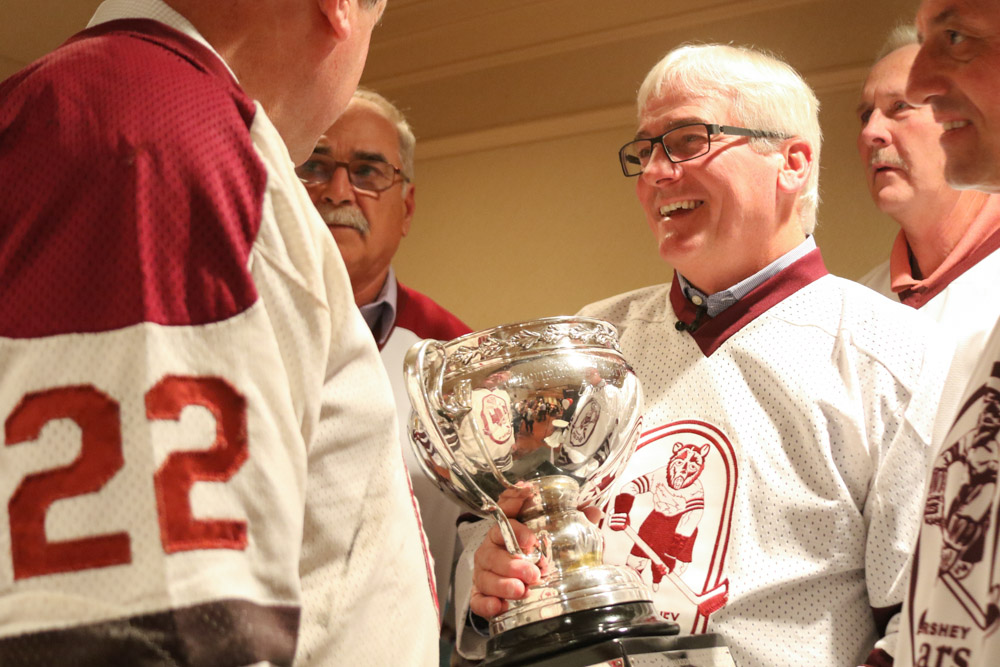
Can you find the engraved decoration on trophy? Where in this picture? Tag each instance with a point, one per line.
(549, 411)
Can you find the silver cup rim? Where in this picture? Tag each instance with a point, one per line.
(503, 341)
(533, 324)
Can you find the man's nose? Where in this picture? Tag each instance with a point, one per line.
(338, 190)
(659, 167)
(876, 131)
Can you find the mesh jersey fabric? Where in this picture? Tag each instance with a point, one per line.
(771, 494)
(963, 303)
(419, 317)
(200, 463)
(951, 613)
(778, 460)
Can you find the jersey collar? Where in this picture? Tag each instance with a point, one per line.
(717, 330)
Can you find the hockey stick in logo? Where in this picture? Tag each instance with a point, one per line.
(983, 619)
(707, 602)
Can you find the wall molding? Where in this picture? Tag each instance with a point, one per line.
(823, 82)
(404, 9)
(555, 47)
(555, 127)
(838, 79)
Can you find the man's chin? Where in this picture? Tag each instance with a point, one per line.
(894, 202)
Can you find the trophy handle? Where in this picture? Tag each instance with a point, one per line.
(426, 397)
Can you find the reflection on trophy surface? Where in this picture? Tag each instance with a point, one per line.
(547, 412)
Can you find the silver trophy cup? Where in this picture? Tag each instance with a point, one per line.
(545, 412)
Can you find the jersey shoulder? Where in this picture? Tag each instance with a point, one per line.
(139, 189)
(647, 304)
(903, 340)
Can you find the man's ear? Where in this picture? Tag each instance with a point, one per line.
(798, 164)
(338, 15)
(409, 206)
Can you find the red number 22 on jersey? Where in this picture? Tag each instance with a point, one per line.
(100, 458)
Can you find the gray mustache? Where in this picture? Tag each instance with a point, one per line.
(345, 216)
(889, 159)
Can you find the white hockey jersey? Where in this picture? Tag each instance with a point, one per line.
(951, 615)
(771, 498)
(200, 464)
(419, 317)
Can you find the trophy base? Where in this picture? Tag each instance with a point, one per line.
(687, 651)
(573, 631)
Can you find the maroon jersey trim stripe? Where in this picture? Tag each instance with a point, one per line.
(716, 331)
(227, 633)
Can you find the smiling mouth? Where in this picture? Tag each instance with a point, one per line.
(668, 210)
(954, 124)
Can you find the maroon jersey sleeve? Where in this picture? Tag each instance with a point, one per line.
(130, 193)
(131, 188)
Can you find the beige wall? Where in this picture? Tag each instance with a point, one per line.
(544, 227)
(520, 107)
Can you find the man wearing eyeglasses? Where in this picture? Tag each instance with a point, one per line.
(788, 412)
(359, 177)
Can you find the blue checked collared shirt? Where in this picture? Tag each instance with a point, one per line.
(719, 301)
(380, 314)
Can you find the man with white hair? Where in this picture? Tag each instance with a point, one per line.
(200, 465)
(944, 261)
(952, 611)
(788, 412)
(368, 207)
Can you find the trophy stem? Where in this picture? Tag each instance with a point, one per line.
(574, 577)
(567, 539)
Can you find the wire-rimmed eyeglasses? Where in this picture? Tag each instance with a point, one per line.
(681, 144)
(363, 174)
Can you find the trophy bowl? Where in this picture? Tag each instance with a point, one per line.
(546, 412)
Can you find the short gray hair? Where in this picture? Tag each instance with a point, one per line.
(407, 142)
(767, 94)
(902, 35)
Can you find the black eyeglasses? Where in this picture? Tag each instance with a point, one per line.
(370, 175)
(681, 144)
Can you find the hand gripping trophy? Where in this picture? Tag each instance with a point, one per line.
(547, 411)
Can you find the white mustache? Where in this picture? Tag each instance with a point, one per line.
(344, 216)
(886, 158)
